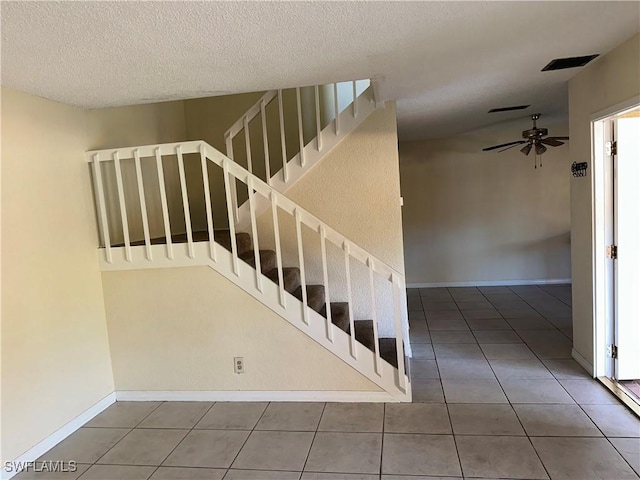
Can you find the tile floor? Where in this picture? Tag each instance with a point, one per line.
(496, 395)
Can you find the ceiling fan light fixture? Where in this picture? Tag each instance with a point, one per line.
(540, 149)
(526, 149)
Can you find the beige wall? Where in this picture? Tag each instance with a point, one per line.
(179, 329)
(356, 190)
(610, 80)
(139, 125)
(471, 216)
(55, 354)
(54, 330)
(209, 118)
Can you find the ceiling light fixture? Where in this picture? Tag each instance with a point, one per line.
(526, 149)
(540, 149)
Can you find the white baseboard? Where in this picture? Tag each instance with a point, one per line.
(584, 363)
(491, 283)
(59, 435)
(253, 396)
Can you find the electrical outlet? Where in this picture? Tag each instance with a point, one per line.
(238, 365)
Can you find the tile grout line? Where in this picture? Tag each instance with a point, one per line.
(543, 316)
(125, 436)
(541, 360)
(182, 439)
(315, 433)
(384, 420)
(253, 429)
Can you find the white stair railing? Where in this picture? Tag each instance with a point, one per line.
(320, 114)
(381, 280)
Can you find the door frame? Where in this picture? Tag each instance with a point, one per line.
(602, 235)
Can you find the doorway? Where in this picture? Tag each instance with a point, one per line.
(616, 164)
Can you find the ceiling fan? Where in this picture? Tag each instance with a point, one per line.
(533, 138)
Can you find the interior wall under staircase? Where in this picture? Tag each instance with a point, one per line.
(179, 329)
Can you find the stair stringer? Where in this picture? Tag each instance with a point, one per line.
(269, 294)
(365, 106)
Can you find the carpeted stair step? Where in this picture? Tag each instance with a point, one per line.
(291, 276)
(339, 315)
(364, 333)
(267, 259)
(223, 237)
(315, 296)
(388, 350)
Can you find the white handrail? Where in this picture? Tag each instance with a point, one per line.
(302, 111)
(250, 114)
(259, 185)
(233, 172)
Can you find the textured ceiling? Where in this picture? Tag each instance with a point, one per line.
(446, 63)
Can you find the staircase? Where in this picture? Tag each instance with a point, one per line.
(347, 105)
(291, 276)
(365, 324)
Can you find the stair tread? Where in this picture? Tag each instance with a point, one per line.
(388, 350)
(267, 259)
(291, 276)
(364, 333)
(339, 315)
(223, 237)
(315, 296)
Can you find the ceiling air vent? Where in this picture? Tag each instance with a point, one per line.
(569, 62)
(508, 109)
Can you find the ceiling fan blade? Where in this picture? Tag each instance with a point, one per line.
(551, 142)
(514, 145)
(559, 138)
(519, 142)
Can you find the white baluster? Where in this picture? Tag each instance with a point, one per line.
(123, 206)
(303, 277)
(207, 202)
(254, 233)
(185, 202)
(395, 285)
(347, 267)
(276, 235)
(143, 205)
(102, 208)
(318, 124)
(355, 100)
(300, 132)
(325, 276)
(374, 316)
(265, 141)
(233, 191)
(232, 226)
(336, 107)
(247, 142)
(165, 208)
(283, 141)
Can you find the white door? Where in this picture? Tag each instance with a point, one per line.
(626, 200)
